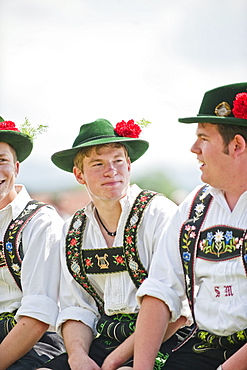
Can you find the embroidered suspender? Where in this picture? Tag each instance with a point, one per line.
(12, 239)
(80, 262)
(189, 235)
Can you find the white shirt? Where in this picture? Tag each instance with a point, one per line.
(117, 289)
(217, 310)
(40, 267)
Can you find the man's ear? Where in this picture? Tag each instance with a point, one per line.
(238, 144)
(17, 168)
(129, 164)
(78, 175)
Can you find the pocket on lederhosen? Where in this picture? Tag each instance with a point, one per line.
(118, 327)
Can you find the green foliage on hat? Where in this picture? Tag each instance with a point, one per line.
(27, 129)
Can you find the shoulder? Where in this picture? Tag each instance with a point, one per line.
(44, 214)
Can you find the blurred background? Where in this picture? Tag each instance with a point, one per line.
(64, 63)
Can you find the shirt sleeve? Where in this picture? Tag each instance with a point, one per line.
(40, 271)
(166, 278)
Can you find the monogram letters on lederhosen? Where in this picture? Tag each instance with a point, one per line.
(81, 261)
(12, 254)
(189, 236)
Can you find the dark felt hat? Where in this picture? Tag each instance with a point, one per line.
(10, 134)
(226, 104)
(99, 132)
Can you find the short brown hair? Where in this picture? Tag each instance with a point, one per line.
(85, 152)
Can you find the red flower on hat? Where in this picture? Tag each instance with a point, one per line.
(128, 129)
(240, 106)
(8, 125)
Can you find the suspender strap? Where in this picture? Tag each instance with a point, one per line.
(74, 257)
(134, 266)
(12, 239)
(189, 235)
(80, 261)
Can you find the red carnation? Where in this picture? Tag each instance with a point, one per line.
(8, 125)
(128, 129)
(240, 106)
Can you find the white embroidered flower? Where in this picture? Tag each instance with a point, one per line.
(32, 206)
(219, 236)
(15, 267)
(199, 208)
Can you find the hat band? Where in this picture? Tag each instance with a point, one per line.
(95, 138)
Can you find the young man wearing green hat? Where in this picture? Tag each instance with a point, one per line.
(107, 247)
(205, 248)
(29, 261)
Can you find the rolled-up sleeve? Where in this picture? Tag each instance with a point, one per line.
(40, 274)
(166, 280)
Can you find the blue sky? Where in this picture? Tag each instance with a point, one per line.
(68, 62)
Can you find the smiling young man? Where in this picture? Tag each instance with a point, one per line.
(205, 250)
(29, 261)
(107, 247)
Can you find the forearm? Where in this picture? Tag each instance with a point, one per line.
(20, 340)
(151, 326)
(78, 338)
(237, 361)
(174, 326)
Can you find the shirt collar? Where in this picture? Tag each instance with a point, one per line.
(18, 204)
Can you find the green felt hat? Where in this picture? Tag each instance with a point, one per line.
(99, 132)
(226, 104)
(11, 135)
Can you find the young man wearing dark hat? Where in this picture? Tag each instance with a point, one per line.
(205, 248)
(29, 262)
(107, 247)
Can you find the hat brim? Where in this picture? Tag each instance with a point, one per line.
(21, 143)
(64, 159)
(215, 119)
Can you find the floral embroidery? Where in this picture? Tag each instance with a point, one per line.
(220, 242)
(74, 257)
(199, 208)
(12, 239)
(119, 260)
(136, 270)
(189, 234)
(88, 262)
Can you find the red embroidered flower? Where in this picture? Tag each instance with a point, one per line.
(240, 106)
(73, 242)
(129, 239)
(128, 129)
(119, 259)
(143, 199)
(8, 125)
(88, 262)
